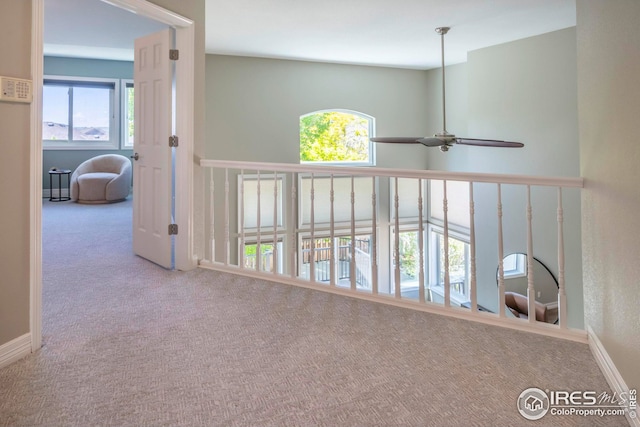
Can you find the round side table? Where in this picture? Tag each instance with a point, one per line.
(59, 173)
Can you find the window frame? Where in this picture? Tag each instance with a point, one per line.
(520, 269)
(114, 126)
(124, 114)
(371, 129)
(409, 228)
(433, 232)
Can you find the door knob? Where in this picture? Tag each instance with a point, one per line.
(135, 156)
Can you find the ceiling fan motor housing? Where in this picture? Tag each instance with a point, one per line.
(445, 136)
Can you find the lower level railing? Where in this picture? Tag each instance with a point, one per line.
(454, 243)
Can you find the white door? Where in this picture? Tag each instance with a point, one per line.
(152, 154)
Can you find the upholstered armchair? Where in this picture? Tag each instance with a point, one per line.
(518, 304)
(102, 179)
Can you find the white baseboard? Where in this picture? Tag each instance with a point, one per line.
(15, 349)
(609, 370)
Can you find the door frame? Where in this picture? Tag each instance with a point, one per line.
(184, 244)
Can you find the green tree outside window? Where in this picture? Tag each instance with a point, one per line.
(334, 136)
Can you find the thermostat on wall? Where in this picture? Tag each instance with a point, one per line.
(15, 90)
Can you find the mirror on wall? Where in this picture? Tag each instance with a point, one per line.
(516, 278)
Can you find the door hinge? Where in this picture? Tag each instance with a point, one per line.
(173, 141)
(174, 54)
(173, 229)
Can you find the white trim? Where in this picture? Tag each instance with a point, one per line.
(35, 177)
(609, 370)
(15, 349)
(46, 193)
(551, 181)
(185, 258)
(151, 11)
(124, 114)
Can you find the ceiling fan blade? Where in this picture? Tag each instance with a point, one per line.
(432, 142)
(396, 139)
(488, 143)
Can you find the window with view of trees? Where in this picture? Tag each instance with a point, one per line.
(127, 114)
(337, 136)
(458, 264)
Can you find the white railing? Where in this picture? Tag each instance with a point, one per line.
(373, 233)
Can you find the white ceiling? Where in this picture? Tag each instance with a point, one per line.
(92, 29)
(398, 33)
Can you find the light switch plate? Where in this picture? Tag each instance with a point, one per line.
(15, 90)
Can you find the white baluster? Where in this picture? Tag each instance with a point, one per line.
(312, 253)
(531, 292)
(562, 294)
(241, 220)
(472, 249)
(258, 226)
(352, 264)
(421, 242)
(226, 217)
(501, 303)
(332, 236)
(293, 225)
(274, 260)
(396, 242)
(447, 279)
(374, 239)
(212, 231)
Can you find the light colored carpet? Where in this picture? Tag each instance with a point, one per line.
(127, 343)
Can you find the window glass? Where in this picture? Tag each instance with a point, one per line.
(55, 112)
(338, 136)
(91, 113)
(127, 115)
(409, 254)
(80, 113)
(458, 265)
(266, 259)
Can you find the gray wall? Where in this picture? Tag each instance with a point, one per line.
(15, 25)
(254, 106)
(609, 99)
(520, 91)
(55, 66)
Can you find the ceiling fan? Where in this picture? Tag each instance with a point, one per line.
(444, 139)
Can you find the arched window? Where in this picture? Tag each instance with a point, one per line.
(337, 137)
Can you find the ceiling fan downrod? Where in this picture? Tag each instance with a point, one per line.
(442, 31)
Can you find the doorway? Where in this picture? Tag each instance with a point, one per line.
(184, 158)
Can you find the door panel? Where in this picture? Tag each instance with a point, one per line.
(152, 168)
